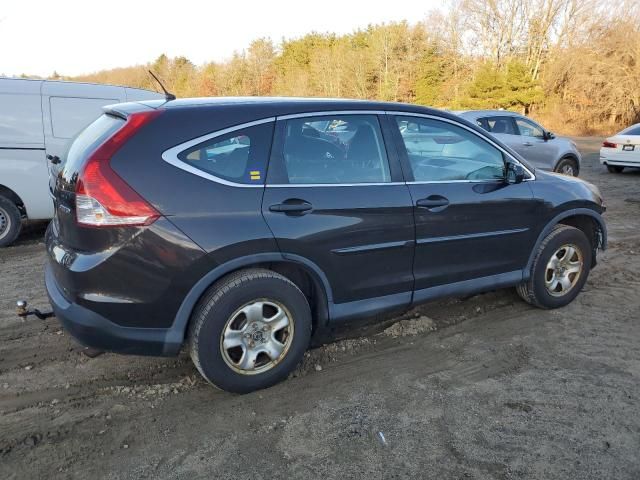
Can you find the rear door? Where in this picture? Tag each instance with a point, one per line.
(63, 185)
(470, 223)
(23, 166)
(335, 196)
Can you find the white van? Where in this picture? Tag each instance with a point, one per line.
(37, 120)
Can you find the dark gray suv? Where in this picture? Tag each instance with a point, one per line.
(242, 229)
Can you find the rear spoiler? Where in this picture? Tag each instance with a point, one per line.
(123, 110)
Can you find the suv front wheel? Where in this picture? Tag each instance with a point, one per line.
(250, 330)
(560, 268)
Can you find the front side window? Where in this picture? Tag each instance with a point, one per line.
(529, 129)
(439, 151)
(334, 149)
(499, 124)
(240, 156)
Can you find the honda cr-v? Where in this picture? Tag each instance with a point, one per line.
(243, 228)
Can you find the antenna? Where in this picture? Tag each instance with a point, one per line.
(168, 96)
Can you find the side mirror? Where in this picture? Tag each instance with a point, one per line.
(515, 173)
(549, 136)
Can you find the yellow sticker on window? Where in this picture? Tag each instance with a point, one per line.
(255, 174)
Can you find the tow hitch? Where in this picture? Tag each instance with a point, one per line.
(23, 311)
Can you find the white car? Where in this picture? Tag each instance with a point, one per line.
(37, 120)
(622, 150)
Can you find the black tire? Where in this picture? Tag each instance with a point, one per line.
(10, 222)
(217, 307)
(534, 290)
(615, 168)
(568, 166)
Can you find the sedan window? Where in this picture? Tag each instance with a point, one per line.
(439, 151)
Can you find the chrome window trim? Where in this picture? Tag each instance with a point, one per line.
(171, 155)
(364, 184)
(486, 139)
(330, 113)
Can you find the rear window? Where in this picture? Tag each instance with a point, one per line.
(88, 140)
(632, 130)
(240, 156)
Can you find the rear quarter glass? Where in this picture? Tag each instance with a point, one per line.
(87, 141)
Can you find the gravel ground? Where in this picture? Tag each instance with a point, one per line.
(486, 387)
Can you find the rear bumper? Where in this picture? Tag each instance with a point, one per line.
(619, 160)
(93, 330)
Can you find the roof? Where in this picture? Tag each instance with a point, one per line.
(285, 105)
(20, 79)
(483, 113)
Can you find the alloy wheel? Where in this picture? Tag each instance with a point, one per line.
(563, 270)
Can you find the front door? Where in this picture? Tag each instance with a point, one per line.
(335, 196)
(534, 146)
(470, 223)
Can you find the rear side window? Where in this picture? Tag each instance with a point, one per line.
(442, 152)
(499, 124)
(240, 156)
(89, 139)
(338, 149)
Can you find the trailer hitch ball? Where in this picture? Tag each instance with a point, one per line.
(23, 311)
(22, 308)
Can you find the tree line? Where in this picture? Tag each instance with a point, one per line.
(573, 64)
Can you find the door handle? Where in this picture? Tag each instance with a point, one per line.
(433, 203)
(527, 144)
(291, 206)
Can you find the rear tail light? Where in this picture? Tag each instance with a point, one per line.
(607, 144)
(103, 199)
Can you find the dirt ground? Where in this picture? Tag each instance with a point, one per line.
(486, 387)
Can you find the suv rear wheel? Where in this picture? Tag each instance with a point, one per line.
(560, 268)
(250, 330)
(567, 166)
(10, 223)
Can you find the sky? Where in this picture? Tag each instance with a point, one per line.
(75, 37)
